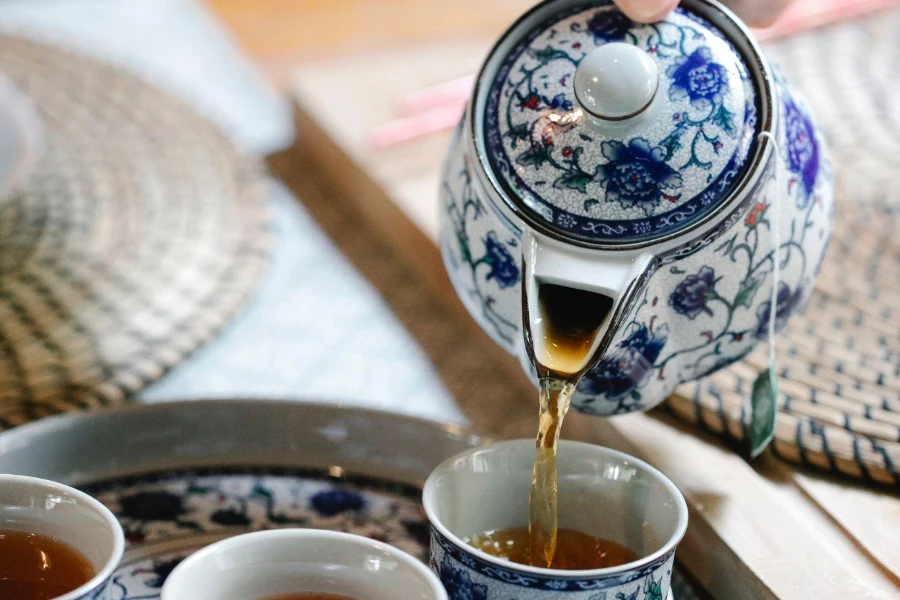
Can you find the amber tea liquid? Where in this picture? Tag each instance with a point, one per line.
(38, 567)
(574, 550)
(571, 320)
(542, 499)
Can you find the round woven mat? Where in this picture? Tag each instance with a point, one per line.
(839, 362)
(140, 233)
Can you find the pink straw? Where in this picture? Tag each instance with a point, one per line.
(425, 123)
(439, 107)
(447, 92)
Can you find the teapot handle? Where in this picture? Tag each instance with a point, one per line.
(617, 276)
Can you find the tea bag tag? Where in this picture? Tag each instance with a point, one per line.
(763, 410)
(764, 397)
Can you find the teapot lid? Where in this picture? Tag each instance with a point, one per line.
(604, 132)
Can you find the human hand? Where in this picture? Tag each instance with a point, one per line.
(756, 13)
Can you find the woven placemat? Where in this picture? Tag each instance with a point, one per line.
(839, 361)
(140, 233)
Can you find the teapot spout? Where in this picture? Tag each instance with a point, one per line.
(574, 301)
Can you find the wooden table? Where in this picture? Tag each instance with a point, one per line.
(761, 530)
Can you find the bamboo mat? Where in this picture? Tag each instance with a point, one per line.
(140, 233)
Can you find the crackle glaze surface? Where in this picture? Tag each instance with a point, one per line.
(706, 305)
(607, 184)
(467, 577)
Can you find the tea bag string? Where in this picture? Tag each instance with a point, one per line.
(764, 396)
(775, 237)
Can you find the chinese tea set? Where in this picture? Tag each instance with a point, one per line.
(609, 205)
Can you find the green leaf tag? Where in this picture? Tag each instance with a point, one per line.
(764, 408)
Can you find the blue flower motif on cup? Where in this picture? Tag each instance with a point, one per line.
(503, 268)
(786, 302)
(802, 149)
(609, 25)
(692, 295)
(627, 365)
(333, 502)
(459, 584)
(698, 78)
(636, 174)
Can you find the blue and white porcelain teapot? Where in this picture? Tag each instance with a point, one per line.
(637, 162)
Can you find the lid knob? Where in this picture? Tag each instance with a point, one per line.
(616, 81)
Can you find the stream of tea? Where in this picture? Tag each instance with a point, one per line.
(571, 320)
(555, 396)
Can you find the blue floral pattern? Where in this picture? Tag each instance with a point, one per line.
(489, 271)
(182, 505)
(698, 78)
(560, 168)
(708, 303)
(459, 584)
(467, 577)
(636, 174)
(627, 365)
(721, 322)
(786, 302)
(691, 296)
(609, 25)
(329, 503)
(502, 265)
(802, 148)
(153, 506)
(558, 102)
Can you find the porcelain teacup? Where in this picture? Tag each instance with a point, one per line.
(272, 563)
(33, 505)
(602, 492)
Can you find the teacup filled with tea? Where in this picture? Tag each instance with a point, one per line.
(56, 543)
(619, 521)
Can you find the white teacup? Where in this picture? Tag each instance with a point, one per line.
(602, 492)
(52, 509)
(284, 561)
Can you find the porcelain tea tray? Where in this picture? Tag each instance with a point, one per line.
(182, 475)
